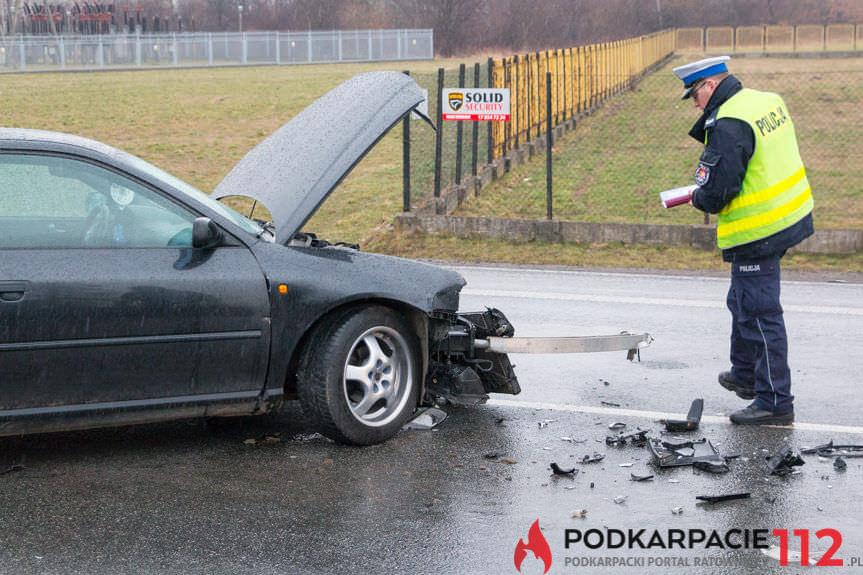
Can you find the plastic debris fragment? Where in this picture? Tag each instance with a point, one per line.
(830, 450)
(693, 418)
(555, 468)
(641, 477)
(617, 425)
(579, 513)
(782, 463)
(839, 464)
(700, 454)
(595, 458)
(620, 499)
(677, 510)
(426, 419)
(720, 498)
(638, 438)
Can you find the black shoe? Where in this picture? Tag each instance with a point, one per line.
(754, 415)
(731, 383)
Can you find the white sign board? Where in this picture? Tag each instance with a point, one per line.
(476, 104)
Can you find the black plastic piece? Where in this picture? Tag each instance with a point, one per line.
(638, 438)
(555, 468)
(640, 477)
(595, 458)
(720, 498)
(701, 454)
(783, 462)
(693, 418)
(830, 450)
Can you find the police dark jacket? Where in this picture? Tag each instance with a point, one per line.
(734, 142)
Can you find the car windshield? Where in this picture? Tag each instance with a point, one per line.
(217, 206)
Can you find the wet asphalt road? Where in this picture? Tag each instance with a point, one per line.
(194, 497)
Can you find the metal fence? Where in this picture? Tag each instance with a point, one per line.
(635, 144)
(582, 78)
(61, 53)
(772, 39)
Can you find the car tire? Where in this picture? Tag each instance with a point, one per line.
(358, 379)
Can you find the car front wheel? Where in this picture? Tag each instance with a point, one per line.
(358, 380)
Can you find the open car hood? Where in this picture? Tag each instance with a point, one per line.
(294, 170)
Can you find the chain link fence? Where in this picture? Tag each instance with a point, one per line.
(62, 53)
(613, 166)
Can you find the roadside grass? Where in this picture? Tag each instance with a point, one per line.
(198, 123)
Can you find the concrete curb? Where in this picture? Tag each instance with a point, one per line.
(565, 231)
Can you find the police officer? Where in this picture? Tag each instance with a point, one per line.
(752, 176)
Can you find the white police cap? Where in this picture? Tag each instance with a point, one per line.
(692, 73)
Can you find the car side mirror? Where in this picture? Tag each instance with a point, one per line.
(205, 233)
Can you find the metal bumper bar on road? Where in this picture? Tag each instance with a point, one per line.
(583, 344)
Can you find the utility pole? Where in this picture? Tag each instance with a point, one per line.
(240, 12)
(659, 11)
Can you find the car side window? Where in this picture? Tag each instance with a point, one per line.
(52, 201)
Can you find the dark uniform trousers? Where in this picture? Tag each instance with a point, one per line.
(759, 343)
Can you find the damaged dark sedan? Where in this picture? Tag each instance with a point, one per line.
(128, 296)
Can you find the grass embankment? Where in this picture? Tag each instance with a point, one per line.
(198, 123)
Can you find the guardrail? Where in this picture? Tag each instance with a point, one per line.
(63, 53)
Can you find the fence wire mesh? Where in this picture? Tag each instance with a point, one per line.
(612, 167)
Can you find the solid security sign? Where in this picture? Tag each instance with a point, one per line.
(476, 104)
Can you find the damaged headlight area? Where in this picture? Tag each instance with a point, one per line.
(460, 371)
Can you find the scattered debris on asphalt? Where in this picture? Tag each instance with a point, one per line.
(677, 510)
(638, 438)
(617, 425)
(595, 458)
(630, 464)
(693, 418)
(720, 498)
(621, 499)
(641, 477)
(839, 464)
(579, 513)
(555, 468)
(610, 403)
(306, 437)
(545, 422)
(426, 419)
(782, 463)
(830, 450)
(494, 454)
(700, 453)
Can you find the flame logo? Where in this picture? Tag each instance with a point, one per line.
(535, 542)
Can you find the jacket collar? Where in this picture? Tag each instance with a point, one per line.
(723, 92)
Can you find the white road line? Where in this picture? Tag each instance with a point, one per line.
(668, 302)
(468, 269)
(654, 415)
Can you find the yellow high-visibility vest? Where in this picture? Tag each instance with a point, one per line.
(775, 193)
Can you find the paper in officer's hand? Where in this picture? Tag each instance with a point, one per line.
(676, 196)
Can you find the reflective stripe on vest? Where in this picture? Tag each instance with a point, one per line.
(775, 193)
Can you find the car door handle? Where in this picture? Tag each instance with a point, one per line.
(12, 290)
